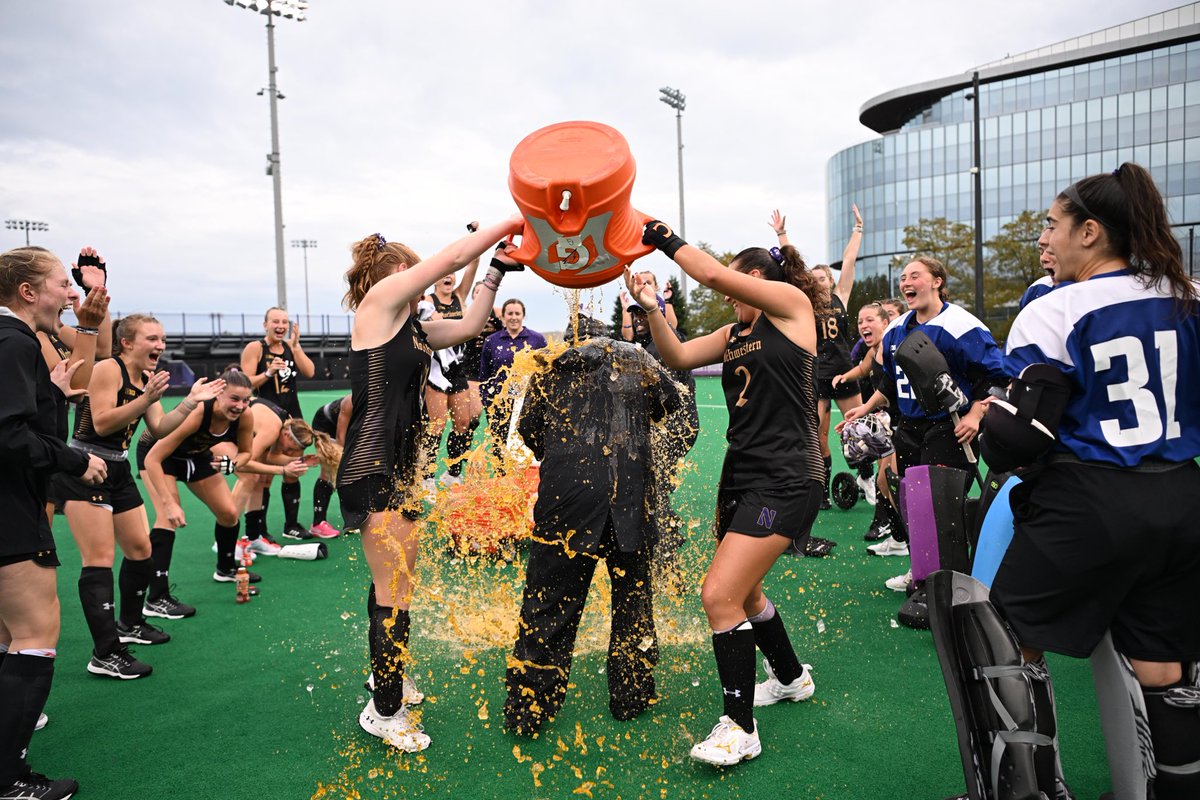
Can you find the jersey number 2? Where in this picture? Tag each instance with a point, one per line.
(1149, 422)
(741, 401)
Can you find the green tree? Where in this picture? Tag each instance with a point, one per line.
(1012, 263)
(952, 243)
(867, 290)
(616, 317)
(707, 310)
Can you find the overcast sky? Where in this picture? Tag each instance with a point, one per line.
(134, 126)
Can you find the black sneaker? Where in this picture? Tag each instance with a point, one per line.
(877, 533)
(167, 607)
(35, 786)
(141, 633)
(825, 504)
(118, 664)
(230, 576)
(296, 532)
(816, 547)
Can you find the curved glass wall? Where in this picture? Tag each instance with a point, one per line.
(1040, 133)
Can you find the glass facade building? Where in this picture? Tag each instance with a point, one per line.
(1048, 118)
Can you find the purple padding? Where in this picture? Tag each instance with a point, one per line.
(916, 505)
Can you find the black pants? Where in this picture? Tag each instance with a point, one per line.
(556, 587)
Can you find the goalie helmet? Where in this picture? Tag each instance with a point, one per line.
(867, 439)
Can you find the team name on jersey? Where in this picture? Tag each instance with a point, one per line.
(743, 350)
(422, 347)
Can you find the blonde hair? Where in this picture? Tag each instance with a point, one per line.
(30, 265)
(127, 328)
(329, 452)
(374, 259)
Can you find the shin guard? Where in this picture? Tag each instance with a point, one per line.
(1003, 708)
(1174, 716)
(932, 501)
(1127, 737)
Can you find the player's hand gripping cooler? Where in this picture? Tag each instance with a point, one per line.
(572, 182)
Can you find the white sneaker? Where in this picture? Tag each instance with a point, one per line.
(728, 744)
(449, 480)
(398, 730)
(888, 547)
(42, 722)
(429, 487)
(771, 691)
(900, 583)
(263, 546)
(410, 694)
(868, 488)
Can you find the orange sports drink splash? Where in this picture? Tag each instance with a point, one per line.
(572, 182)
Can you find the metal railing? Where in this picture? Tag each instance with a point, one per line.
(245, 326)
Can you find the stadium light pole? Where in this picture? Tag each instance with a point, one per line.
(26, 225)
(306, 245)
(977, 171)
(288, 9)
(678, 101)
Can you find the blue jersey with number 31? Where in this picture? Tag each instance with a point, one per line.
(1134, 360)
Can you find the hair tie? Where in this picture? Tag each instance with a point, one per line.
(1116, 173)
(380, 242)
(777, 255)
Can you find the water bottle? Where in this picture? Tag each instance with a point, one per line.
(243, 585)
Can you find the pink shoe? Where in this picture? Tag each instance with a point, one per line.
(324, 530)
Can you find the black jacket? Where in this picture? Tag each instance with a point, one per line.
(30, 450)
(588, 419)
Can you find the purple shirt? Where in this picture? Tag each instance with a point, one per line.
(498, 352)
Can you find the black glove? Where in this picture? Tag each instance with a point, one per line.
(504, 266)
(88, 261)
(658, 234)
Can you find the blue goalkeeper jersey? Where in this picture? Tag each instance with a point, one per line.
(1133, 358)
(976, 363)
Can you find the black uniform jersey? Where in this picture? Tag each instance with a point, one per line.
(473, 349)
(276, 409)
(279, 388)
(771, 397)
(387, 384)
(205, 438)
(64, 421)
(833, 340)
(85, 430)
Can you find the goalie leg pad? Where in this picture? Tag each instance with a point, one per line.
(1127, 738)
(1003, 708)
(933, 502)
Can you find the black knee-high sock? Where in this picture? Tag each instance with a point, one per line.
(771, 637)
(431, 442)
(24, 684)
(734, 650)
(472, 426)
(226, 539)
(162, 546)
(256, 523)
(881, 512)
(866, 470)
(389, 645)
(96, 597)
(899, 531)
(291, 503)
(828, 472)
(322, 492)
(133, 580)
(457, 445)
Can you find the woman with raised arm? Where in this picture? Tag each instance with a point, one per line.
(770, 485)
(34, 290)
(834, 340)
(124, 390)
(450, 394)
(389, 361)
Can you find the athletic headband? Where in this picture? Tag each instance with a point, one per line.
(380, 242)
(295, 438)
(1072, 194)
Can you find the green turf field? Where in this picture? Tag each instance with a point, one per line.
(262, 700)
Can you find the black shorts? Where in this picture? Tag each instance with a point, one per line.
(456, 375)
(117, 491)
(1098, 548)
(43, 558)
(762, 513)
(188, 469)
(924, 441)
(372, 494)
(827, 391)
